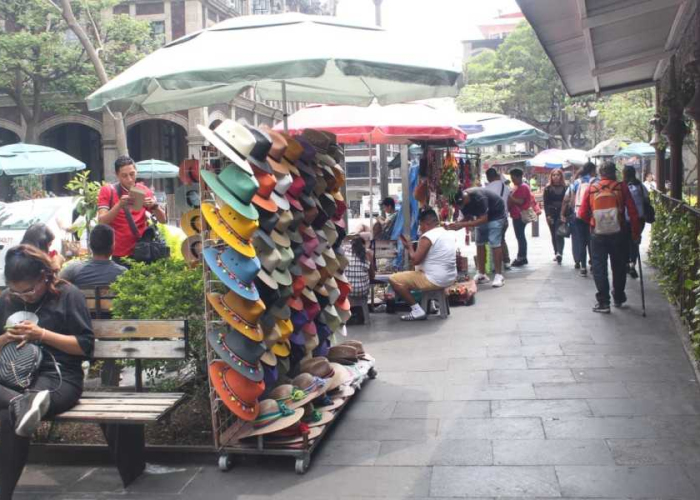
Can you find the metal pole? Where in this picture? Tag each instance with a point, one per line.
(405, 199)
(371, 188)
(284, 106)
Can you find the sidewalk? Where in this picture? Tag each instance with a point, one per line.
(527, 394)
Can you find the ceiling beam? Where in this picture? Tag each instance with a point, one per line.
(680, 23)
(624, 13)
(630, 61)
(588, 43)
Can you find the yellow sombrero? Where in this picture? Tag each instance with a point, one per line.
(282, 348)
(191, 222)
(240, 313)
(243, 226)
(229, 233)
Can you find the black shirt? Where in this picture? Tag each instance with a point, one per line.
(66, 314)
(92, 273)
(482, 201)
(553, 199)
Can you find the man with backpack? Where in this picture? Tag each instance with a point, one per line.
(580, 230)
(603, 207)
(645, 211)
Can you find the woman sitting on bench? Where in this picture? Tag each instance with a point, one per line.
(64, 331)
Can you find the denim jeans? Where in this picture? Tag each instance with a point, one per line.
(557, 241)
(616, 248)
(519, 228)
(581, 234)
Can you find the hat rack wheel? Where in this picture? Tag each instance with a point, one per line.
(302, 465)
(372, 373)
(225, 462)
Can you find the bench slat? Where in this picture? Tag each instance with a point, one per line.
(135, 329)
(121, 408)
(100, 417)
(127, 401)
(140, 349)
(131, 395)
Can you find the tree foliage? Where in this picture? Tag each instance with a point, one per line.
(44, 68)
(628, 114)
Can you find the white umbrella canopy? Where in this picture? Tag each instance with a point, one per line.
(319, 59)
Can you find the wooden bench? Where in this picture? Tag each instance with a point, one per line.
(123, 415)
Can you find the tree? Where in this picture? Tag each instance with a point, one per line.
(43, 68)
(314, 7)
(628, 114)
(519, 80)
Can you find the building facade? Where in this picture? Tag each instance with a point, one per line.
(173, 137)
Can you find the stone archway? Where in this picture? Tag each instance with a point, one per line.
(10, 129)
(158, 138)
(58, 120)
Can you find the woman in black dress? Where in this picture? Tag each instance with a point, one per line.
(553, 198)
(64, 331)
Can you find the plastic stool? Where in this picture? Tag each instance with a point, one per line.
(440, 297)
(361, 302)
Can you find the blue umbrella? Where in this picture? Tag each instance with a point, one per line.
(639, 149)
(27, 159)
(499, 129)
(156, 169)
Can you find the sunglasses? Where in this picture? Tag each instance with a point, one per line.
(27, 293)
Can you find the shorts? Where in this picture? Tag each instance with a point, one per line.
(491, 232)
(414, 280)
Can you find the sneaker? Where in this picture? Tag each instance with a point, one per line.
(577, 265)
(633, 273)
(584, 272)
(506, 266)
(619, 305)
(601, 308)
(519, 262)
(27, 411)
(498, 281)
(411, 317)
(480, 279)
(558, 259)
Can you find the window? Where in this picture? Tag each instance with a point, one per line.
(357, 170)
(158, 31)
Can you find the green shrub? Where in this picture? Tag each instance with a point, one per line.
(166, 289)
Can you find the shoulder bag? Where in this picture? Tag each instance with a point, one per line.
(18, 365)
(150, 246)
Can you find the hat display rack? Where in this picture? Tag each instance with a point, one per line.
(271, 223)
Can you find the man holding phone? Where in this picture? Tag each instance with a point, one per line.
(115, 199)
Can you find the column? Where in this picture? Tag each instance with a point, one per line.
(195, 140)
(109, 147)
(675, 130)
(693, 107)
(659, 144)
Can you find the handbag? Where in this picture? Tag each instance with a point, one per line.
(563, 230)
(528, 215)
(19, 364)
(150, 246)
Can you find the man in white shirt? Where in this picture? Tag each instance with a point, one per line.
(496, 184)
(435, 259)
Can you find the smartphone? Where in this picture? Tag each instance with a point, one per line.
(137, 198)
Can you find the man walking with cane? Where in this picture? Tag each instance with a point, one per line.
(603, 207)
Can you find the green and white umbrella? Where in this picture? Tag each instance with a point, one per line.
(156, 169)
(33, 159)
(286, 57)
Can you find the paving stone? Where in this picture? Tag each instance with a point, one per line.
(664, 390)
(639, 374)
(591, 361)
(379, 390)
(551, 452)
(533, 376)
(679, 427)
(494, 481)
(341, 452)
(658, 359)
(584, 390)
(541, 408)
(386, 429)
(459, 365)
(42, 478)
(626, 482)
(442, 409)
(554, 338)
(370, 409)
(524, 351)
(491, 428)
(599, 428)
(486, 392)
(604, 407)
(617, 349)
(435, 452)
(654, 451)
(416, 365)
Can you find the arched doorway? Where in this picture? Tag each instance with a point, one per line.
(6, 137)
(79, 141)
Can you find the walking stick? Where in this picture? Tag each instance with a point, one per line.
(641, 282)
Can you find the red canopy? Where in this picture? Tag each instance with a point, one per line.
(392, 124)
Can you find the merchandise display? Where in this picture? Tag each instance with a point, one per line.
(271, 226)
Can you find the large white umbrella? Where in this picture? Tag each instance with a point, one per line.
(284, 57)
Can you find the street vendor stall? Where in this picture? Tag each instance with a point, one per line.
(271, 212)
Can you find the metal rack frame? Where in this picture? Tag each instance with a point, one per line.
(225, 425)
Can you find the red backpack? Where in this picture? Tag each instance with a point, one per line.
(606, 207)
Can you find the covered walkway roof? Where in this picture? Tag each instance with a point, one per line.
(600, 46)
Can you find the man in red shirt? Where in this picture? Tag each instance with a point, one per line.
(114, 200)
(603, 207)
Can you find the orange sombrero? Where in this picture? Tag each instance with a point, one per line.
(240, 313)
(239, 394)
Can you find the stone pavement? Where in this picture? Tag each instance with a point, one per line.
(527, 394)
